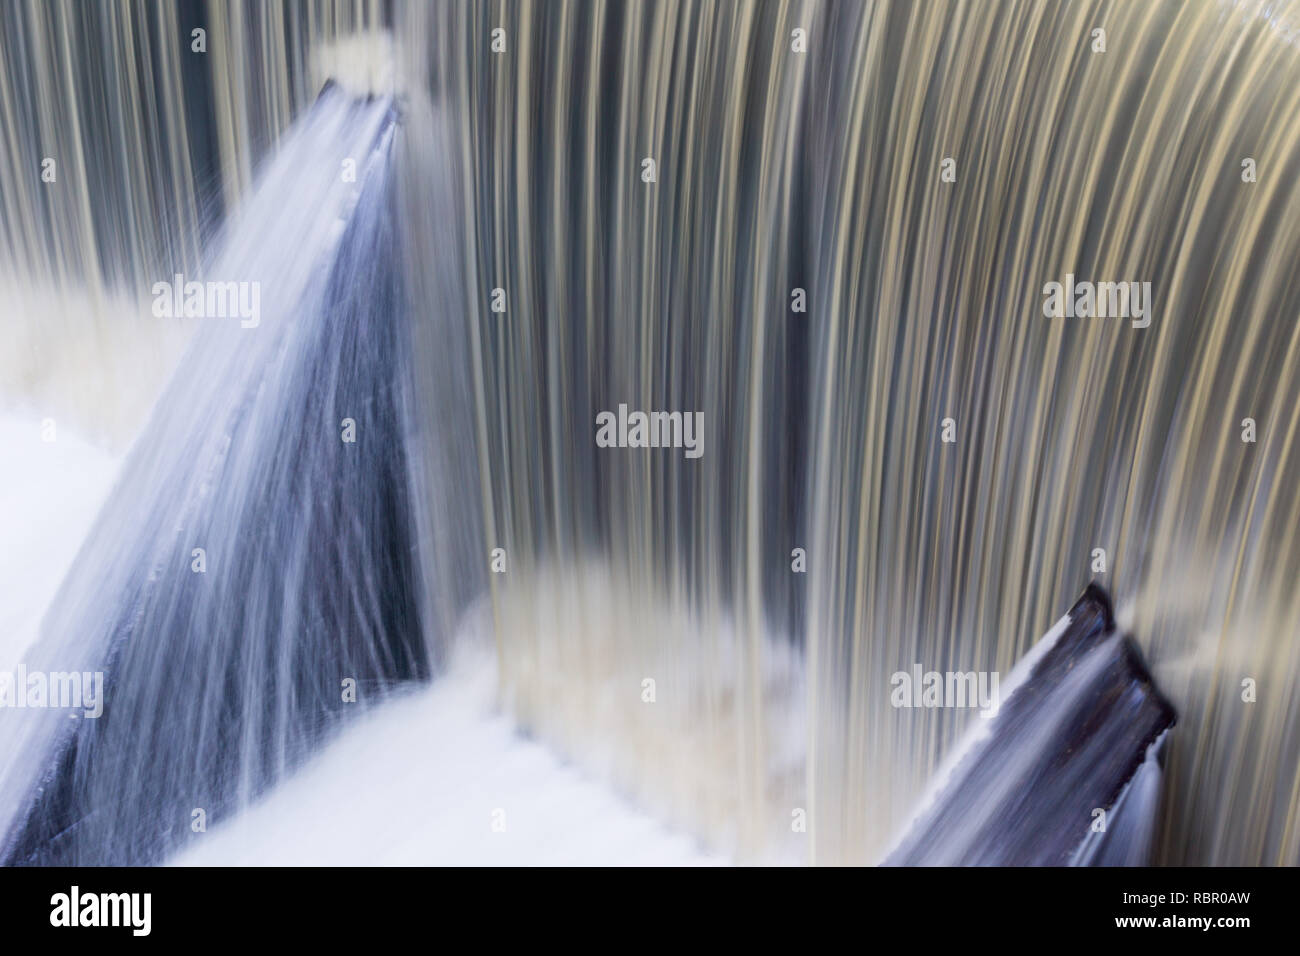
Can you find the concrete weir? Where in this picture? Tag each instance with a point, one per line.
(254, 575)
(1071, 759)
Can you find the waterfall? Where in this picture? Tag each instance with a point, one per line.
(824, 172)
(868, 243)
(256, 569)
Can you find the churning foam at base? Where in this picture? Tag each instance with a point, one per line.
(439, 777)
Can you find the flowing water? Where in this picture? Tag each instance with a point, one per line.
(764, 593)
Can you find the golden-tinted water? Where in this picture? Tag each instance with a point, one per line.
(787, 161)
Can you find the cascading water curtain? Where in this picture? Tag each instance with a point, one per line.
(932, 313)
(158, 127)
(840, 251)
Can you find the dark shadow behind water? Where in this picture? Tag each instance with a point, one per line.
(220, 681)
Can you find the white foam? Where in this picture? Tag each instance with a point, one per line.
(419, 781)
(414, 782)
(49, 495)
